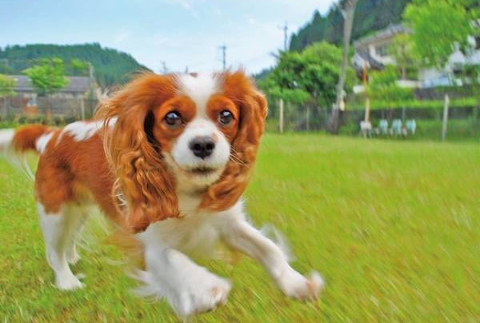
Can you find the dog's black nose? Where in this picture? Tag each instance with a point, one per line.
(202, 146)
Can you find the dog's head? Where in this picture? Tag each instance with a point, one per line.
(196, 133)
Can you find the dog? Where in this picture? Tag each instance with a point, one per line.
(167, 159)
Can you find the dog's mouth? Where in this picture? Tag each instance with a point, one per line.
(202, 171)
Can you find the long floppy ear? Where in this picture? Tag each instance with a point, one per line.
(143, 181)
(253, 111)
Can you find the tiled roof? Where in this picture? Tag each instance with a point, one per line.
(76, 84)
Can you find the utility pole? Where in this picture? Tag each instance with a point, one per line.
(285, 36)
(223, 48)
(348, 14)
(164, 68)
(281, 103)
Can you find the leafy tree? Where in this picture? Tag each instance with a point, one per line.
(7, 86)
(48, 76)
(403, 53)
(308, 78)
(439, 27)
(112, 67)
(370, 16)
(309, 75)
(384, 88)
(79, 67)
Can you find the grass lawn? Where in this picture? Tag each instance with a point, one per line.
(392, 226)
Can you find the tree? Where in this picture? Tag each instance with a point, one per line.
(7, 86)
(349, 11)
(440, 27)
(309, 77)
(79, 67)
(384, 88)
(47, 78)
(403, 53)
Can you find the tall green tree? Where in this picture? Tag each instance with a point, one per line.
(384, 87)
(440, 27)
(309, 77)
(402, 51)
(7, 86)
(47, 77)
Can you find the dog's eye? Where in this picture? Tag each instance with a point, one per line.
(173, 120)
(225, 117)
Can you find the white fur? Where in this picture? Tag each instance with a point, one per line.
(6, 137)
(81, 130)
(60, 231)
(190, 288)
(199, 88)
(42, 142)
(181, 159)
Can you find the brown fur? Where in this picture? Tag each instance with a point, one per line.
(127, 160)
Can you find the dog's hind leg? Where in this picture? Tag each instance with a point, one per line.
(79, 216)
(58, 231)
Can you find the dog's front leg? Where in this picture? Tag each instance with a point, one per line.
(188, 287)
(240, 235)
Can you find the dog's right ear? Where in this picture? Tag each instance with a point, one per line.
(142, 177)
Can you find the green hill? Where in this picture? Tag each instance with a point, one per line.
(371, 15)
(111, 66)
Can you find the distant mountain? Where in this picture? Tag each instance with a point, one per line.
(370, 16)
(111, 66)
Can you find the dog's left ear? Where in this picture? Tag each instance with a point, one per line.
(253, 111)
(144, 182)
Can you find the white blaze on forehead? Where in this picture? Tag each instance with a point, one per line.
(199, 88)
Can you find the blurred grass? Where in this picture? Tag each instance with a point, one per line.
(392, 226)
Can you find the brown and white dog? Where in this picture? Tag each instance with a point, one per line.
(167, 159)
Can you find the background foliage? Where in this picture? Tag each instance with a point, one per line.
(111, 66)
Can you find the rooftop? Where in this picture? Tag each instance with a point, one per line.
(386, 33)
(76, 84)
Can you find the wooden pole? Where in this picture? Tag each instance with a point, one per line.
(281, 116)
(445, 117)
(365, 90)
(82, 108)
(348, 12)
(308, 118)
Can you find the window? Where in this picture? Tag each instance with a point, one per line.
(381, 50)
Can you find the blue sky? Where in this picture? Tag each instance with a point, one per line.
(178, 32)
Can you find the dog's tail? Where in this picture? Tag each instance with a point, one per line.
(14, 143)
(31, 137)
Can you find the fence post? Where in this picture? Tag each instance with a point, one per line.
(445, 117)
(308, 118)
(281, 116)
(82, 108)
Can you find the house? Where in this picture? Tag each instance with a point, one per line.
(373, 50)
(77, 87)
(73, 100)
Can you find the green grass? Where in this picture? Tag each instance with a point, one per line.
(392, 226)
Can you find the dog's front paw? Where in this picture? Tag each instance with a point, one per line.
(67, 282)
(202, 294)
(297, 286)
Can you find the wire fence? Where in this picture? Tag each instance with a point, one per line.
(57, 110)
(408, 122)
(463, 122)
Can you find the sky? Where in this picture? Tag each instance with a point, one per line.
(177, 33)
